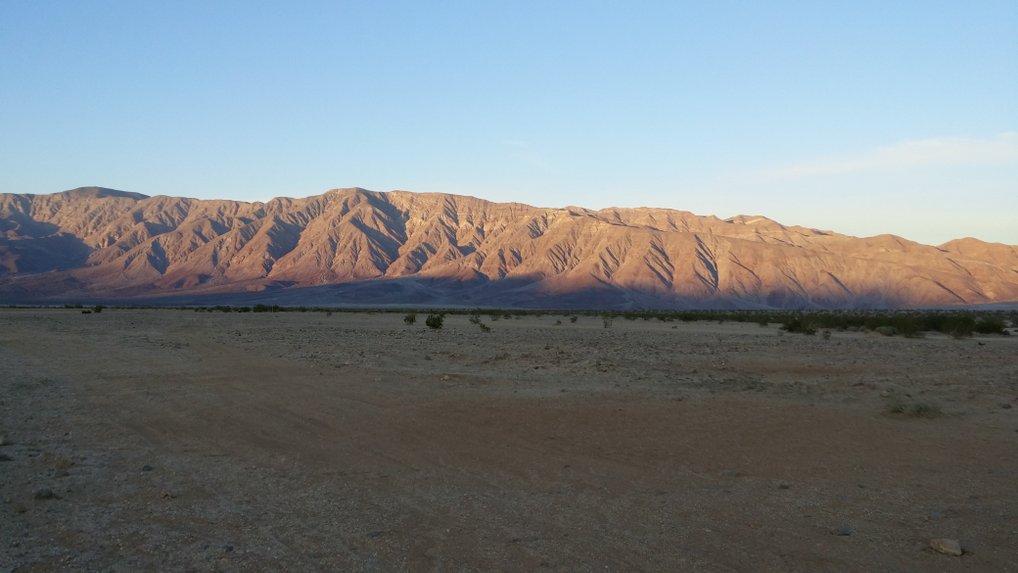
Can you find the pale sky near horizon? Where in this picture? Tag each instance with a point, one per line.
(860, 117)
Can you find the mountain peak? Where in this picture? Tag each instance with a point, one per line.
(102, 193)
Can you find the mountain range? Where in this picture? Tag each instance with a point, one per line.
(359, 247)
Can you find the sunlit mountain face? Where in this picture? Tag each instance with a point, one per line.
(358, 247)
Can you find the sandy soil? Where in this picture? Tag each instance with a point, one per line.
(175, 440)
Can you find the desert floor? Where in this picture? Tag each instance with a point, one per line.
(178, 440)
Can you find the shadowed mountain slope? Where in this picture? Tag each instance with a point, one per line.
(352, 246)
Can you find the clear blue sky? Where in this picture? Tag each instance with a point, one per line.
(861, 117)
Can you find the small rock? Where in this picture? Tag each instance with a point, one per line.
(5, 458)
(146, 468)
(842, 531)
(228, 548)
(373, 534)
(946, 546)
(4, 441)
(1006, 406)
(784, 485)
(446, 378)
(44, 493)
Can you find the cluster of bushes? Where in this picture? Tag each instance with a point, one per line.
(261, 308)
(87, 310)
(907, 323)
(802, 325)
(911, 323)
(222, 308)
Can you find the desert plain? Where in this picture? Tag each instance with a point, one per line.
(171, 440)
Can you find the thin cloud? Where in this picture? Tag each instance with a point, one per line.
(938, 151)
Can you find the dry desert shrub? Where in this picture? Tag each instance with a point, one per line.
(914, 409)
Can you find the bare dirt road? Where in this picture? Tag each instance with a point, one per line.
(154, 440)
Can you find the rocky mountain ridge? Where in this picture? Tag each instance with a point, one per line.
(353, 246)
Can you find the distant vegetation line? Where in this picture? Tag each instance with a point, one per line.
(910, 323)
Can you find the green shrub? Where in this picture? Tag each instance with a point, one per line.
(410, 318)
(434, 321)
(990, 325)
(800, 325)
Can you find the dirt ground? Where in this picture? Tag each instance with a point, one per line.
(165, 440)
